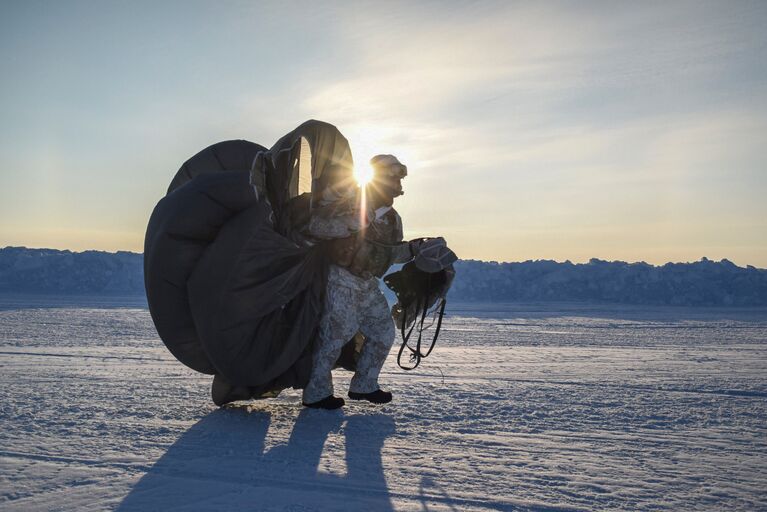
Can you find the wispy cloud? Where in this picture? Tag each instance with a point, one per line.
(559, 129)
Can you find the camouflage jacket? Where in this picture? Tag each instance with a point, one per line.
(380, 245)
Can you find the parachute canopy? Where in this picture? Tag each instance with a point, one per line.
(231, 287)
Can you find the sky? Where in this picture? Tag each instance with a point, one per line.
(631, 131)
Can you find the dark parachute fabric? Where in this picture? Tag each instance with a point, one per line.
(230, 155)
(256, 299)
(183, 224)
(229, 291)
(417, 292)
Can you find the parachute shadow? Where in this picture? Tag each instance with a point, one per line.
(221, 463)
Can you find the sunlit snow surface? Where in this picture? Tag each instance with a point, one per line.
(519, 408)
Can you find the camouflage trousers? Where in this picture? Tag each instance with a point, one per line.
(352, 304)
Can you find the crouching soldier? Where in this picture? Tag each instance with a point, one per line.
(353, 301)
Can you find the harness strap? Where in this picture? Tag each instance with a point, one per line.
(415, 354)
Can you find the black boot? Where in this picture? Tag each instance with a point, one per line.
(376, 397)
(329, 402)
(222, 392)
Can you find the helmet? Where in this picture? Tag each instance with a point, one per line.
(387, 173)
(388, 166)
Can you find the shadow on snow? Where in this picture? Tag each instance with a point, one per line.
(221, 463)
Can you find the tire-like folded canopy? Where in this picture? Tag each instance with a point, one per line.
(231, 288)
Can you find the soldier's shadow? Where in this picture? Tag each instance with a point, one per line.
(221, 463)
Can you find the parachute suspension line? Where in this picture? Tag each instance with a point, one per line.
(415, 354)
(443, 375)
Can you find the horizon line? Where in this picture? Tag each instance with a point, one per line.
(590, 260)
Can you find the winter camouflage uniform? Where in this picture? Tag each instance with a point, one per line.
(354, 303)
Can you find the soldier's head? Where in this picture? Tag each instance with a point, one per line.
(386, 183)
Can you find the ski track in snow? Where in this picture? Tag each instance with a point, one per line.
(518, 408)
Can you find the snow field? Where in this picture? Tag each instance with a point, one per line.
(518, 408)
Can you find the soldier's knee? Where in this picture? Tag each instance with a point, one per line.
(338, 330)
(383, 333)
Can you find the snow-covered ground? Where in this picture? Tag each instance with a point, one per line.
(519, 408)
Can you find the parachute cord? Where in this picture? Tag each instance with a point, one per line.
(415, 354)
(405, 339)
(439, 326)
(443, 375)
(436, 332)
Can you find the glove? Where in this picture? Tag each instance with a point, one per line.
(432, 254)
(415, 245)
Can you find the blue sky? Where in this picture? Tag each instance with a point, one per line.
(558, 130)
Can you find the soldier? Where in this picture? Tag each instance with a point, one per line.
(354, 302)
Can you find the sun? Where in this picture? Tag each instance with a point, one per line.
(363, 173)
(368, 140)
(365, 141)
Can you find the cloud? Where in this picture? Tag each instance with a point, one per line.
(522, 124)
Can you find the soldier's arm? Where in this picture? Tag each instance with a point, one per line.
(333, 227)
(402, 252)
(336, 220)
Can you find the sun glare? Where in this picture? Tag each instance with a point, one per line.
(363, 173)
(366, 141)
